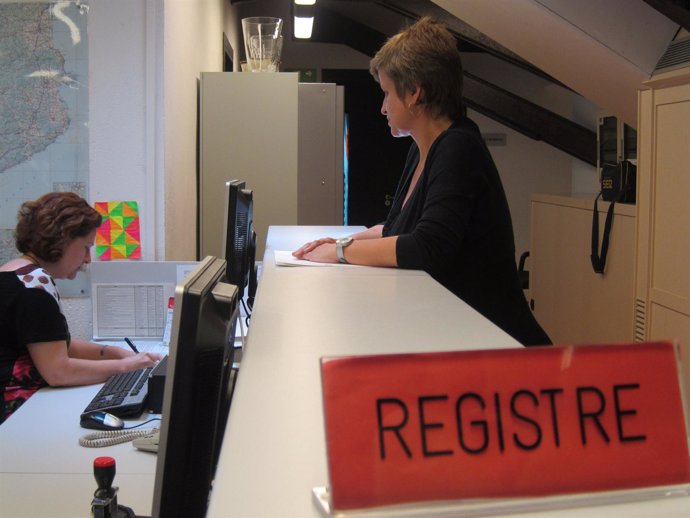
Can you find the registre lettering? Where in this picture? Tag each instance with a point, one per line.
(476, 435)
(503, 423)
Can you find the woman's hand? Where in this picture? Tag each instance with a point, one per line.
(319, 251)
(368, 250)
(140, 361)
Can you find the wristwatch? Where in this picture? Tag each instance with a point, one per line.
(340, 244)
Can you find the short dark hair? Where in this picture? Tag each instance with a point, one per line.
(426, 55)
(45, 226)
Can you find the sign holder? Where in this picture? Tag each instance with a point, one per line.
(477, 508)
(478, 433)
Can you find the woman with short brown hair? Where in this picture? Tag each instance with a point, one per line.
(450, 215)
(54, 234)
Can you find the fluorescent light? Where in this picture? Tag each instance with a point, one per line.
(305, 2)
(302, 26)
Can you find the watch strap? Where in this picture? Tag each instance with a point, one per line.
(340, 245)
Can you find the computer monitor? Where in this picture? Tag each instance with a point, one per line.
(198, 390)
(239, 239)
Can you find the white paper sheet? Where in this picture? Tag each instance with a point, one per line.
(134, 310)
(285, 258)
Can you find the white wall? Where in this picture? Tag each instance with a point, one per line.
(118, 149)
(193, 44)
(143, 111)
(142, 117)
(525, 166)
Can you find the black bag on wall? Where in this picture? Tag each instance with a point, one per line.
(619, 182)
(599, 258)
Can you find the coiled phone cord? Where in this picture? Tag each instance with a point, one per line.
(111, 437)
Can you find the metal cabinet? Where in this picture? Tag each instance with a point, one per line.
(283, 138)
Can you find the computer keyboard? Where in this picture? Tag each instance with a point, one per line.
(123, 394)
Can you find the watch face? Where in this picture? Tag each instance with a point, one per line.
(344, 241)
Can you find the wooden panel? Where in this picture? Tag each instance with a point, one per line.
(644, 188)
(544, 254)
(665, 323)
(670, 228)
(572, 303)
(666, 319)
(663, 277)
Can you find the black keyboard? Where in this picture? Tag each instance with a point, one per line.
(122, 395)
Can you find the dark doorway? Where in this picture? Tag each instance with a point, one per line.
(376, 158)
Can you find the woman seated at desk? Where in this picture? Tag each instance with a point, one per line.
(54, 234)
(449, 216)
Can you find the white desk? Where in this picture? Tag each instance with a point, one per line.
(44, 471)
(274, 448)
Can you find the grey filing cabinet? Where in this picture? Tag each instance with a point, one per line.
(283, 138)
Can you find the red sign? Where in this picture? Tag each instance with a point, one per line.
(502, 423)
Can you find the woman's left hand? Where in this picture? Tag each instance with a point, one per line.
(320, 251)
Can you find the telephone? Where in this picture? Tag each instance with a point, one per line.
(148, 442)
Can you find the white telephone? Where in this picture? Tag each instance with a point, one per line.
(148, 442)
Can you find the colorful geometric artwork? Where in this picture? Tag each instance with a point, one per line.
(118, 237)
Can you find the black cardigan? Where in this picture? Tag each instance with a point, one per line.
(456, 226)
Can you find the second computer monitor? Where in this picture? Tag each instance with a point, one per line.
(238, 234)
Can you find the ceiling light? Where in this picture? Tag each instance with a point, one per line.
(303, 26)
(305, 2)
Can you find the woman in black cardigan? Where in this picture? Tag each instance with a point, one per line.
(449, 216)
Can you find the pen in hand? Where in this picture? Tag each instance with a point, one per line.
(131, 345)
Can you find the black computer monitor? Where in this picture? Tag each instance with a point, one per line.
(198, 390)
(239, 239)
